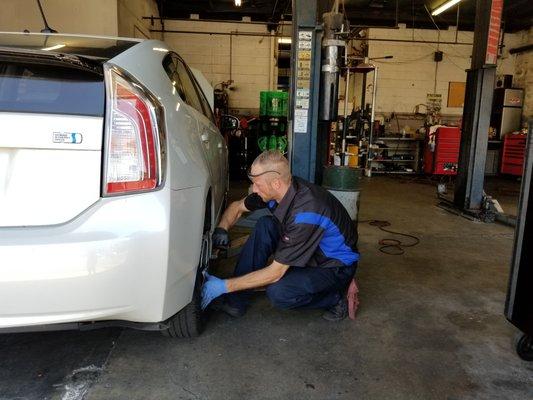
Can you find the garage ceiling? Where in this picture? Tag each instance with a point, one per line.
(518, 14)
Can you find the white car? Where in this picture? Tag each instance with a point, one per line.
(112, 176)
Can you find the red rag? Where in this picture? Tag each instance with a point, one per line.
(353, 299)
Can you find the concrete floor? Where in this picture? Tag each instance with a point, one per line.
(430, 326)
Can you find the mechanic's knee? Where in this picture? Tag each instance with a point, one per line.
(266, 223)
(278, 296)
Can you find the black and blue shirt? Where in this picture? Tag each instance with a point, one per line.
(316, 230)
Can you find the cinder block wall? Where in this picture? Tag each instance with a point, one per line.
(96, 17)
(405, 80)
(247, 62)
(523, 77)
(131, 22)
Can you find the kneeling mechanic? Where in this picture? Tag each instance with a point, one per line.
(309, 235)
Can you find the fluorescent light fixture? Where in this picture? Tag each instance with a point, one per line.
(444, 7)
(57, 46)
(160, 49)
(238, 3)
(285, 40)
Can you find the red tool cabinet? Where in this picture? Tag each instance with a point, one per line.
(514, 150)
(444, 158)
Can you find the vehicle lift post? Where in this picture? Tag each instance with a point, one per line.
(468, 196)
(304, 88)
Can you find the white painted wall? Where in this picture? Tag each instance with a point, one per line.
(130, 22)
(523, 76)
(248, 66)
(405, 81)
(96, 17)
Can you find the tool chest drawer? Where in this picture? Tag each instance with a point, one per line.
(513, 154)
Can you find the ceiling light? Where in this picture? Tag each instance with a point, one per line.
(238, 3)
(285, 40)
(57, 46)
(444, 7)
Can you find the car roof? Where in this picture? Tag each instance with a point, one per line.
(99, 47)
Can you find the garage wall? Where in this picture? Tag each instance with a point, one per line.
(130, 22)
(249, 65)
(405, 80)
(523, 77)
(96, 17)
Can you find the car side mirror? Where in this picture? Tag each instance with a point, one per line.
(229, 123)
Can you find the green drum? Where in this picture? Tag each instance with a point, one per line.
(344, 184)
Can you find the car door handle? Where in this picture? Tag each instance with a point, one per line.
(205, 137)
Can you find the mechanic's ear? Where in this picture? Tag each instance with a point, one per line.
(276, 183)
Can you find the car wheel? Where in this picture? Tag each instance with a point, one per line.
(190, 321)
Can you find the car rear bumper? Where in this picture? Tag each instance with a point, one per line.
(109, 263)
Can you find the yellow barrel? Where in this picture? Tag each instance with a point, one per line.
(353, 155)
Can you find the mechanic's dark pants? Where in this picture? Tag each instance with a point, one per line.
(300, 287)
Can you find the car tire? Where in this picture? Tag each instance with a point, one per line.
(190, 321)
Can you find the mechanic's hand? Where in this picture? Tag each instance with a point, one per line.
(212, 288)
(220, 238)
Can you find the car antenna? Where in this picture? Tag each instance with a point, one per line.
(47, 28)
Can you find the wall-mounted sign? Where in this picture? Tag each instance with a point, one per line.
(493, 38)
(303, 79)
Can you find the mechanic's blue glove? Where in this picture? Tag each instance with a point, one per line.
(212, 288)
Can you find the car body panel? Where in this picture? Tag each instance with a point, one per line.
(98, 47)
(56, 156)
(130, 257)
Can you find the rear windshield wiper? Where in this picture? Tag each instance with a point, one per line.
(60, 59)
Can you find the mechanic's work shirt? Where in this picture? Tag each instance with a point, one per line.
(316, 230)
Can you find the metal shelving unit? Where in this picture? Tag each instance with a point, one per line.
(395, 146)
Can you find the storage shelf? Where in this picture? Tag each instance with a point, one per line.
(396, 146)
(392, 161)
(396, 138)
(395, 149)
(394, 172)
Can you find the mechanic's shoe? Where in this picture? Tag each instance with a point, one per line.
(338, 312)
(221, 304)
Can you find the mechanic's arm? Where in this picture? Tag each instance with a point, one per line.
(214, 287)
(262, 277)
(232, 214)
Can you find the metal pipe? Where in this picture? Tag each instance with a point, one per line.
(271, 63)
(230, 54)
(345, 124)
(268, 34)
(374, 94)
(363, 94)
(457, 23)
(228, 21)
(521, 49)
(372, 116)
(397, 13)
(212, 33)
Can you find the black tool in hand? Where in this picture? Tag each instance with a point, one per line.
(220, 238)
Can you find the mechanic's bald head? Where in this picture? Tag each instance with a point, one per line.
(273, 161)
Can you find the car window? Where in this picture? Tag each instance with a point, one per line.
(169, 64)
(207, 108)
(187, 86)
(40, 88)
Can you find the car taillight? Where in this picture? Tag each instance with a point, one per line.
(133, 151)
